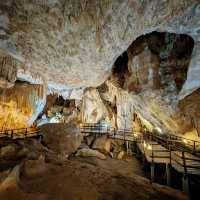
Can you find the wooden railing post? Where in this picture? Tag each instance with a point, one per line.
(184, 162)
(152, 168)
(168, 174)
(170, 155)
(185, 180)
(124, 135)
(12, 134)
(168, 166)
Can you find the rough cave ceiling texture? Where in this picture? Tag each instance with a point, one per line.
(146, 81)
(70, 45)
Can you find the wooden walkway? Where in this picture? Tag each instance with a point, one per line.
(20, 133)
(168, 149)
(180, 153)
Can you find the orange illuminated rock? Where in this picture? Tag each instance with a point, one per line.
(20, 105)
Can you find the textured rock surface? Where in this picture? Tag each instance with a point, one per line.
(146, 81)
(63, 139)
(21, 105)
(71, 45)
(86, 179)
(86, 152)
(93, 108)
(74, 44)
(190, 107)
(8, 71)
(15, 153)
(103, 144)
(193, 81)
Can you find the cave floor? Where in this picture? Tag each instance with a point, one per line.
(83, 179)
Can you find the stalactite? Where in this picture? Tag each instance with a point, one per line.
(8, 70)
(98, 27)
(18, 105)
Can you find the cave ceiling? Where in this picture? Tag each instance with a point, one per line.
(70, 45)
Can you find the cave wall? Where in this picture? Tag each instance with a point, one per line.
(21, 105)
(59, 110)
(190, 107)
(147, 83)
(72, 45)
(8, 71)
(49, 38)
(93, 108)
(193, 81)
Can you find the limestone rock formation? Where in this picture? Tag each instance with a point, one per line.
(86, 152)
(192, 83)
(49, 38)
(59, 110)
(21, 105)
(103, 144)
(146, 81)
(72, 45)
(8, 71)
(63, 139)
(93, 108)
(15, 153)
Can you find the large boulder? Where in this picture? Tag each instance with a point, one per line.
(9, 151)
(63, 139)
(13, 153)
(102, 144)
(34, 167)
(86, 152)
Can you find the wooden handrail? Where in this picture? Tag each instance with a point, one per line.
(167, 141)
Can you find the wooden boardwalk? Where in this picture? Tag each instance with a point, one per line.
(168, 149)
(20, 133)
(184, 157)
(174, 151)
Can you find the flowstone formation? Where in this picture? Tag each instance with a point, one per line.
(68, 46)
(21, 105)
